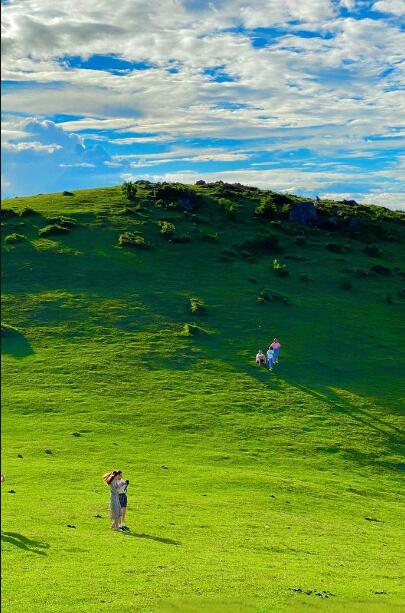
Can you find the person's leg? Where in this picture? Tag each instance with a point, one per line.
(123, 513)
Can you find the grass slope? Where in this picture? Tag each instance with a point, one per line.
(249, 491)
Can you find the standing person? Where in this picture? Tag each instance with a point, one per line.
(260, 358)
(276, 345)
(270, 357)
(122, 495)
(111, 479)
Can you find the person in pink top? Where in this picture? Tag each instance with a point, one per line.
(276, 346)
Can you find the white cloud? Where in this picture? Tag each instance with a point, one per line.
(396, 7)
(31, 146)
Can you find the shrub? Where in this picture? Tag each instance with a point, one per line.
(66, 193)
(167, 229)
(266, 208)
(27, 212)
(209, 237)
(182, 239)
(129, 189)
(373, 251)
(132, 239)
(197, 306)
(230, 208)
(335, 247)
(8, 213)
(381, 270)
(262, 244)
(347, 285)
(53, 229)
(190, 330)
(14, 238)
(66, 222)
(280, 269)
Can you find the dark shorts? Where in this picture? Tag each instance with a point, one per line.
(123, 500)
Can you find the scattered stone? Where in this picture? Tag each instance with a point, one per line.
(20, 455)
(272, 496)
(11, 491)
(165, 467)
(77, 434)
(380, 593)
(48, 451)
(71, 526)
(98, 516)
(304, 213)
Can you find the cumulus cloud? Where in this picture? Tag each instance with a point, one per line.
(324, 76)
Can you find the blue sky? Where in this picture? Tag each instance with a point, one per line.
(302, 96)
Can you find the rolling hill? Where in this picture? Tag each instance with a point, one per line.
(130, 326)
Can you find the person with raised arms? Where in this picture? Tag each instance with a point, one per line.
(112, 480)
(276, 346)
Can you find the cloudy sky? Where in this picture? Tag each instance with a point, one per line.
(303, 96)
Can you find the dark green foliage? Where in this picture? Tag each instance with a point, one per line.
(66, 193)
(301, 241)
(7, 330)
(132, 239)
(335, 247)
(197, 306)
(182, 239)
(280, 269)
(379, 269)
(373, 251)
(129, 189)
(361, 274)
(262, 244)
(28, 212)
(401, 293)
(209, 237)
(175, 195)
(14, 238)
(191, 330)
(167, 229)
(272, 296)
(231, 208)
(267, 208)
(66, 222)
(8, 213)
(53, 230)
(347, 285)
(305, 277)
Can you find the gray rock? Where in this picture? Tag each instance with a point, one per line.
(304, 213)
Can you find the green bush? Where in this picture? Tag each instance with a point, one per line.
(381, 270)
(28, 212)
(53, 230)
(65, 222)
(129, 189)
(373, 251)
(66, 193)
(8, 213)
(197, 306)
(347, 285)
(280, 269)
(191, 330)
(335, 247)
(167, 229)
(230, 208)
(132, 239)
(266, 208)
(14, 238)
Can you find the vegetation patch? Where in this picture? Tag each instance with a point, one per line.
(379, 269)
(14, 238)
(197, 306)
(280, 269)
(335, 248)
(230, 207)
(191, 330)
(133, 239)
(373, 251)
(53, 230)
(167, 229)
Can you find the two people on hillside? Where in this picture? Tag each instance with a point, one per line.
(118, 499)
(271, 356)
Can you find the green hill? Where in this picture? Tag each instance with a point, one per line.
(249, 490)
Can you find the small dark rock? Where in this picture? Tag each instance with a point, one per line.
(98, 516)
(71, 526)
(272, 496)
(77, 434)
(48, 451)
(20, 455)
(11, 491)
(165, 467)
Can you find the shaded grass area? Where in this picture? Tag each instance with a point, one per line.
(248, 490)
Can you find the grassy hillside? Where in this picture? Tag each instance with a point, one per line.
(250, 490)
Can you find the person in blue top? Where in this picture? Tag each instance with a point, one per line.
(270, 357)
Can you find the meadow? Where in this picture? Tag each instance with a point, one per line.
(249, 490)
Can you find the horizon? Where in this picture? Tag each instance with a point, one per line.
(302, 97)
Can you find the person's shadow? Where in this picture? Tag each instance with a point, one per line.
(158, 539)
(22, 542)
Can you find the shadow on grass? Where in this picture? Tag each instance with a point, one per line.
(158, 539)
(14, 343)
(22, 542)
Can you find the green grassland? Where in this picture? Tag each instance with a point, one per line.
(249, 490)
